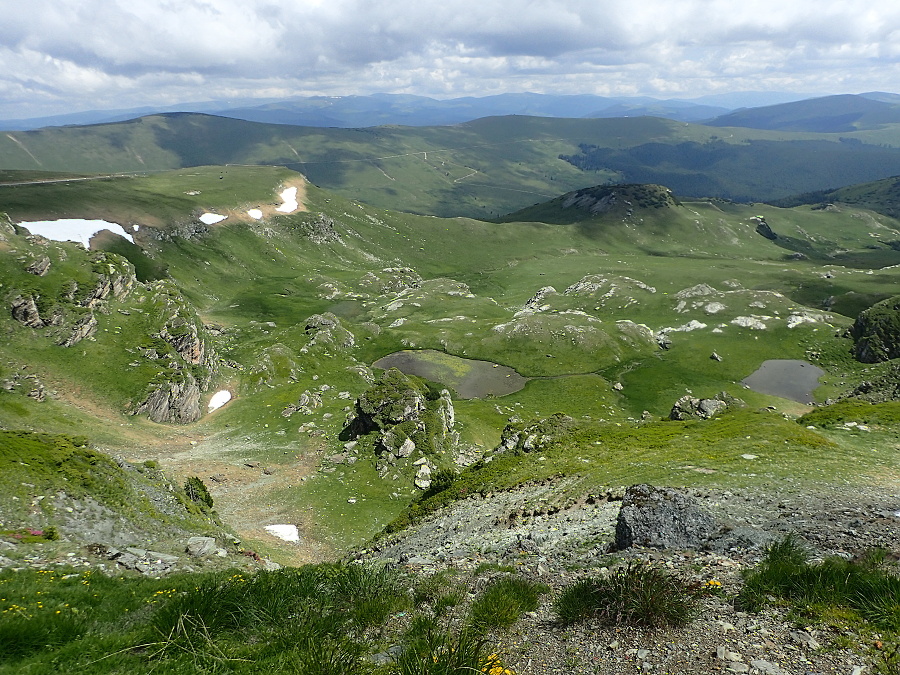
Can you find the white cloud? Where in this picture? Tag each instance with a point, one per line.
(78, 54)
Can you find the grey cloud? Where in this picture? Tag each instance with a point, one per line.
(84, 51)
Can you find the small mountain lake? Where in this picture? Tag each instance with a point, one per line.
(467, 377)
(787, 378)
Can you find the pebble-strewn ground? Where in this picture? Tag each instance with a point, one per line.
(559, 546)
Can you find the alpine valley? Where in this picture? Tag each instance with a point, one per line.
(459, 357)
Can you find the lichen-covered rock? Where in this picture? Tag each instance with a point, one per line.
(662, 518)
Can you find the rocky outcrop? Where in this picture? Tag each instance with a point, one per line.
(528, 438)
(662, 518)
(763, 229)
(184, 337)
(876, 332)
(689, 407)
(320, 229)
(391, 401)
(39, 267)
(326, 330)
(86, 327)
(536, 302)
(25, 311)
(391, 280)
(173, 401)
(407, 426)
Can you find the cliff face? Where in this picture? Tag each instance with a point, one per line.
(876, 332)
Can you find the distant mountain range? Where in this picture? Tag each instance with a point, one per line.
(409, 110)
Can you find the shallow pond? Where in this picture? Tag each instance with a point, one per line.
(787, 378)
(467, 377)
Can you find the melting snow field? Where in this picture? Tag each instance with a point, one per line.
(211, 218)
(74, 229)
(289, 197)
(219, 399)
(256, 214)
(286, 532)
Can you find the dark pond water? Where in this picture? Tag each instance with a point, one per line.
(787, 378)
(467, 377)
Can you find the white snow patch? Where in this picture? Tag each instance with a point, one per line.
(285, 532)
(289, 197)
(256, 214)
(219, 399)
(74, 229)
(211, 218)
(135, 227)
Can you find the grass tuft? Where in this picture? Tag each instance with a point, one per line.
(867, 586)
(503, 601)
(638, 595)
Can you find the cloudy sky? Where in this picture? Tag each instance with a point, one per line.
(70, 55)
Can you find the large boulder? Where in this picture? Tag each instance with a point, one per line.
(662, 518)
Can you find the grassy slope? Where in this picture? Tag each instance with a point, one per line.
(243, 275)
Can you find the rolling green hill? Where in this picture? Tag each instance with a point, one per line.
(481, 169)
(828, 114)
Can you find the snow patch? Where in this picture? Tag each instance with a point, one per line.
(219, 399)
(256, 214)
(211, 218)
(74, 229)
(285, 532)
(289, 197)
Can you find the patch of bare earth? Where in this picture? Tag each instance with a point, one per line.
(243, 492)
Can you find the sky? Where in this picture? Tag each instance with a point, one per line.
(73, 55)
